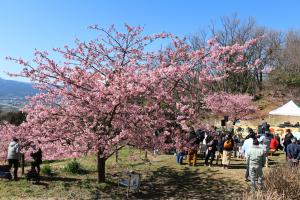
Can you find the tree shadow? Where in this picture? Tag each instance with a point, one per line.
(186, 184)
(276, 153)
(238, 166)
(51, 161)
(58, 178)
(272, 162)
(242, 164)
(41, 183)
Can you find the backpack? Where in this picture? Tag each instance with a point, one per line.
(6, 175)
(228, 144)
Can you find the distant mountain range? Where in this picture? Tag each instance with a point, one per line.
(15, 89)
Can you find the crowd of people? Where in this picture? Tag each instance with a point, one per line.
(214, 144)
(255, 148)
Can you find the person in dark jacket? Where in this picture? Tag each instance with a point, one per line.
(192, 133)
(293, 152)
(263, 126)
(37, 159)
(278, 140)
(221, 140)
(211, 151)
(287, 140)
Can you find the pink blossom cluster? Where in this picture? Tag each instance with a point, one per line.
(236, 106)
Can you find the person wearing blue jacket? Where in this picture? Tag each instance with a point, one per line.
(293, 152)
(179, 155)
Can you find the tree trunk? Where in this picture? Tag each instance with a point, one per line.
(260, 81)
(101, 167)
(117, 154)
(23, 163)
(146, 154)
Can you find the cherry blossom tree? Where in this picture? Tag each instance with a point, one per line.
(111, 91)
(236, 106)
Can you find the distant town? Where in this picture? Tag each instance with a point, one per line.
(13, 94)
(12, 103)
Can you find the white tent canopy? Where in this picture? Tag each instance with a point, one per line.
(288, 109)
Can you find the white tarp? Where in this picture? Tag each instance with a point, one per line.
(297, 135)
(288, 109)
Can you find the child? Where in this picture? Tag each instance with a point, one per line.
(180, 154)
(192, 156)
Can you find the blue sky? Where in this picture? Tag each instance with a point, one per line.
(44, 24)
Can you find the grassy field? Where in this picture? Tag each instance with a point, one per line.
(162, 178)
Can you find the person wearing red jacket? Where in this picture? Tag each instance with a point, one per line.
(274, 143)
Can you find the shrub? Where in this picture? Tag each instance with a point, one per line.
(269, 195)
(281, 183)
(47, 169)
(74, 167)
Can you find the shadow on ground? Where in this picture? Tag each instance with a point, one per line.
(167, 183)
(59, 178)
(197, 182)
